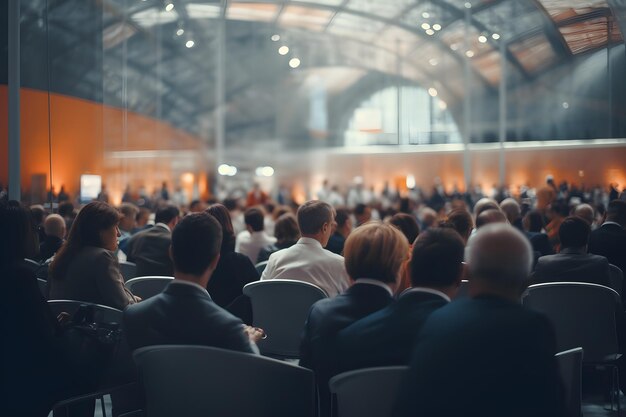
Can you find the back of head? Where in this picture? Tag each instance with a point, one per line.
(375, 250)
(428, 217)
(616, 212)
(286, 228)
(166, 214)
(17, 235)
(584, 211)
(38, 213)
(254, 217)
(461, 221)
(490, 216)
(54, 225)
(129, 212)
(533, 221)
(436, 259)
(574, 232)
(66, 209)
(342, 216)
(407, 224)
(360, 209)
(221, 214)
(511, 209)
(312, 215)
(500, 259)
(485, 204)
(196, 242)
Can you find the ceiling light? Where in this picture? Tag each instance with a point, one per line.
(442, 105)
(190, 44)
(432, 91)
(482, 39)
(180, 32)
(433, 61)
(430, 32)
(283, 50)
(469, 53)
(294, 62)
(425, 15)
(264, 171)
(275, 38)
(454, 46)
(468, 5)
(565, 105)
(437, 26)
(169, 7)
(410, 182)
(425, 26)
(227, 170)
(495, 36)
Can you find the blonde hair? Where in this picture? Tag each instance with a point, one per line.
(375, 250)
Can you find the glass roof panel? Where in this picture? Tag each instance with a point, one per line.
(350, 25)
(489, 66)
(151, 17)
(324, 2)
(260, 12)
(534, 53)
(560, 10)
(497, 19)
(304, 17)
(428, 13)
(203, 11)
(455, 37)
(590, 34)
(384, 8)
(397, 39)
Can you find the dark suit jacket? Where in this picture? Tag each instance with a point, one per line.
(149, 249)
(385, 338)
(326, 318)
(540, 243)
(49, 247)
(183, 315)
(575, 267)
(609, 240)
(233, 271)
(494, 356)
(336, 243)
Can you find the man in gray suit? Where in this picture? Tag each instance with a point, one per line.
(573, 263)
(149, 249)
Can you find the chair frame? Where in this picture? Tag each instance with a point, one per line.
(131, 282)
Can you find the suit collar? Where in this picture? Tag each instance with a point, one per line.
(369, 281)
(424, 292)
(184, 287)
(370, 289)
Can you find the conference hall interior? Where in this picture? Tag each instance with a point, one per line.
(316, 208)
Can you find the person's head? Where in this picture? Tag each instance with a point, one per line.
(197, 206)
(344, 222)
(66, 209)
(461, 221)
(315, 220)
(407, 224)
(500, 259)
(38, 213)
(95, 225)
(129, 216)
(254, 219)
(222, 215)
(195, 249)
(437, 259)
(54, 225)
(168, 214)
(17, 234)
(616, 212)
(490, 216)
(362, 213)
(511, 209)
(375, 250)
(584, 211)
(574, 233)
(533, 221)
(286, 229)
(428, 217)
(558, 209)
(143, 216)
(485, 204)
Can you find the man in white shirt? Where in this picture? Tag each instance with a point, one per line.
(251, 241)
(307, 260)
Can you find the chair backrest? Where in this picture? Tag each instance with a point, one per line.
(103, 314)
(281, 307)
(128, 270)
(583, 315)
(260, 267)
(146, 287)
(370, 392)
(43, 287)
(617, 278)
(571, 364)
(189, 381)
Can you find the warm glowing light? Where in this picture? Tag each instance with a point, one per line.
(264, 171)
(410, 182)
(437, 26)
(283, 50)
(430, 32)
(294, 62)
(425, 26)
(169, 7)
(432, 91)
(482, 39)
(275, 38)
(227, 170)
(180, 31)
(190, 44)
(469, 53)
(187, 178)
(443, 105)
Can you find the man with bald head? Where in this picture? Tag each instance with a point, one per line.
(585, 211)
(496, 356)
(54, 227)
(513, 212)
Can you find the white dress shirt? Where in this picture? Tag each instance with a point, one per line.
(250, 244)
(308, 261)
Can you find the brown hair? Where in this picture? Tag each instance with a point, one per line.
(286, 228)
(312, 215)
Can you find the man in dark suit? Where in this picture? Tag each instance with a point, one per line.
(609, 240)
(373, 254)
(486, 355)
(385, 338)
(55, 229)
(573, 263)
(184, 312)
(149, 249)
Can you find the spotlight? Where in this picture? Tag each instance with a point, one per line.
(190, 44)
(169, 7)
(283, 50)
(180, 32)
(294, 62)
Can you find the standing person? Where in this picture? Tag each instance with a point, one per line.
(256, 196)
(85, 268)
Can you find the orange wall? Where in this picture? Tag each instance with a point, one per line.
(81, 134)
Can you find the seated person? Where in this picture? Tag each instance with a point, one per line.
(54, 226)
(534, 225)
(374, 253)
(184, 313)
(307, 260)
(493, 355)
(287, 234)
(253, 239)
(385, 338)
(343, 228)
(573, 263)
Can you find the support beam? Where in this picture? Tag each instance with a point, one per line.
(467, 116)
(14, 101)
(502, 99)
(220, 83)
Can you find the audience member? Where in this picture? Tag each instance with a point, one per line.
(307, 260)
(286, 233)
(609, 240)
(54, 227)
(362, 214)
(142, 220)
(427, 217)
(38, 214)
(342, 230)
(66, 210)
(485, 204)
(374, 253)
(556, 214)
(253, 239)
(197, 206)
(573, 263)
(149, 249)
(586, 212)
(256, 196)
(490, 216)
(513, 213)
(533, 225)
(85, 267)
(127, 223)
(184, 313)
(407, 224)
(461, 221)
(233, 271)
(495, 356)
(385, 337)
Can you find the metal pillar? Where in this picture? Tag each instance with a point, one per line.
(220, 83)
(502, 113)
(399, 90)
(609, 75)
(14, 101)
(467, 118)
